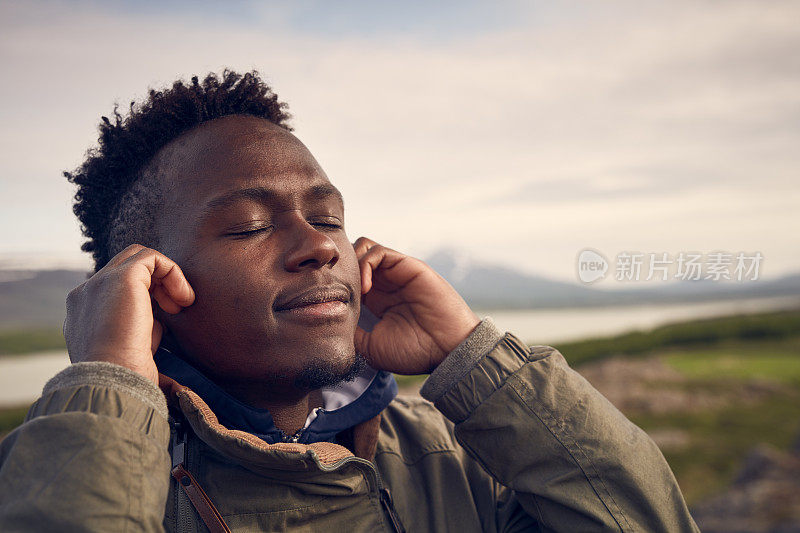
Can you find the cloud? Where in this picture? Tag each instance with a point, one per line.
(521, 138)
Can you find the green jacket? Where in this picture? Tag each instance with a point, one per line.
(514, 440)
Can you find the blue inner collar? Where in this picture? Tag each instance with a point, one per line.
(364, 404)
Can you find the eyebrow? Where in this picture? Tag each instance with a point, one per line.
(265, 195)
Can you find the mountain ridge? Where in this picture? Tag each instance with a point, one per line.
(36, 298)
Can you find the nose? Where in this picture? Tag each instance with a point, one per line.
(309, 248)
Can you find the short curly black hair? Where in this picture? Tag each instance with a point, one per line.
(116, 201)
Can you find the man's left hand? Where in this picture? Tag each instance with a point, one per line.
(422, 318)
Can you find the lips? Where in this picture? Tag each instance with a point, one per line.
(314, 296)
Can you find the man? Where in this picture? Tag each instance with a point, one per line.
(224, 275)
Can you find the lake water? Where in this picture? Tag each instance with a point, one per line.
(551, 326)
(22, 378)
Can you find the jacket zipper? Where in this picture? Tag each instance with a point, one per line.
(291, 438)
(386, 501)
(180, 455)
(296, 437)
(384, 496)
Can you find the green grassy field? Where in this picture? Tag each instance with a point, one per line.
(720, 438)
(11, 417)
(31, 340)
(687, 335)
(777, 360)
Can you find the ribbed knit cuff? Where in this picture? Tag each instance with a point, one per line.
(460, 361)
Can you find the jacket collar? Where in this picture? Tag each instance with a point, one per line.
(257, 454)
(344, 406)
(350, 414)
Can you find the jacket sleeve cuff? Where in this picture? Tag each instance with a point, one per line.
(103, 389)
(461, 360)
(487, 375)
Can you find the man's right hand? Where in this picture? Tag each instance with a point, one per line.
(110, 315)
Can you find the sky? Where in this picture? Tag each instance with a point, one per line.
(517, 133)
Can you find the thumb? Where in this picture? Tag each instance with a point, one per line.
(361, 342)
(158, 332)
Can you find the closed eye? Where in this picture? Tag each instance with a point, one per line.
(248, 233)
(328, 223)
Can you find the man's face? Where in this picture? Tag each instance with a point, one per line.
(258, 230)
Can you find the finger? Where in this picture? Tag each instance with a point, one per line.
(165, 272)
(362, 245)
(361, 341)
(178, 286)
(370, 261)
(396, 268)
(121, 257)
(158, 332)
(366, 276)
(164, 301)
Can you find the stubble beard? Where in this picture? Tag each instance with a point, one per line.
(319, 372)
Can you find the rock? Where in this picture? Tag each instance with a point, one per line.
(649, 386)
(764, 497)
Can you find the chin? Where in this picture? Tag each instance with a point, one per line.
(322, 372)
